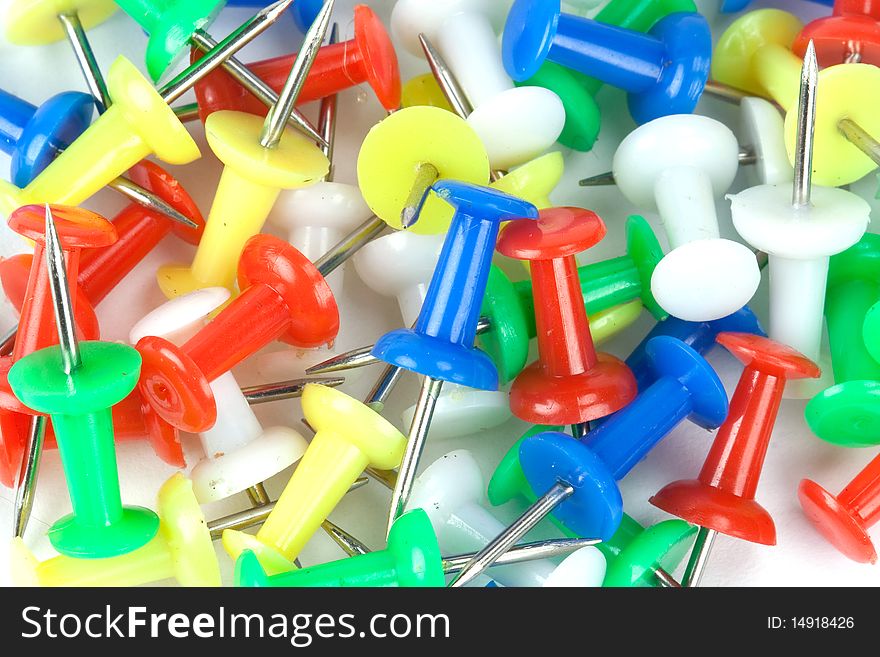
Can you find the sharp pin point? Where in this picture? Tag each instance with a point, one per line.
(26, 484)
(59, 286)
(806, 117)
(279, 113)
(598, 180)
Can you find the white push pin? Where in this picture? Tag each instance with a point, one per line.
(763, 135)
(800, 227)
(451, 491)
(401, 265)
(677, 166)
(239, 453)
(516, 124)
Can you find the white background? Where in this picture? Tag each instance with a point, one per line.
(800, 558)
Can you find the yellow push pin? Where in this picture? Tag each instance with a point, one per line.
(404, 154)
(261, 158)
(182, 549)
(138, 124)
(423, 90)
(349, 437)
(754, 55)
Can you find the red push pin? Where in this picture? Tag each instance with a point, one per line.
(850, 35)
(844, 520)
(569, 383)
(368, 57)
(139, 231)
(722, 498)
(283, 296)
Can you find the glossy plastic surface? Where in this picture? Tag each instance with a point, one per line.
(181, 549)
(138, 124)
(283, 296)
(853, 28)
(393, 150)
(349, 436)
(723, 496)
(699, 336)
(368, 57)
(412, 558)
(847, 413)
(570, 383)
(79, 405)
(844, 520)
(33, 136)
(441, 344)
(665, 70)
(169, 24)
(252, 178)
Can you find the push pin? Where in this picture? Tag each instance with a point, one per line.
(678, 166)
(76, 384)
(583, 567)
(239, 454)
(515, 124)
(33, 137)
(181, 549)
(451, 491)
(404, 154)
(614, 292)
(722, 498)
(699, 336)
(576, 479)
(261, 158)
(139, 123)
(349, 437)
(569, 383)
(440, 345)
(532, 181)
(844, 519)
(635, 555)
(368, 57)
(851, 34)
(138, 231)
(800, 229)
(666, 68)
(847, 412)
(282, 296)
(79, 230)
(762, 150)
(401, 265)
(754, 55)
(578, 91)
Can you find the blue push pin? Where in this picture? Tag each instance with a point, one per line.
(731, 6)
(664, 71)
(441, 344)
(304, 12)
(33, 136)
(580, 476)
(699, 336)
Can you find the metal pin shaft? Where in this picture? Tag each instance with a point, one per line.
(70, 355)
(85, 57)
(269, 392)
(696, 566)
(279, 113)
(510, 536)
(237, 40)
(25, 484)
(418, 434)
(806, 123)
(327, 115)
(426, 175)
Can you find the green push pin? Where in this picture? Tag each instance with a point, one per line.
(411, 559)
(636, 556)
(170, 25)
(76, 385)
(848, 413)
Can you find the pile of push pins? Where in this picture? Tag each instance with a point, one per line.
(506, 321)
